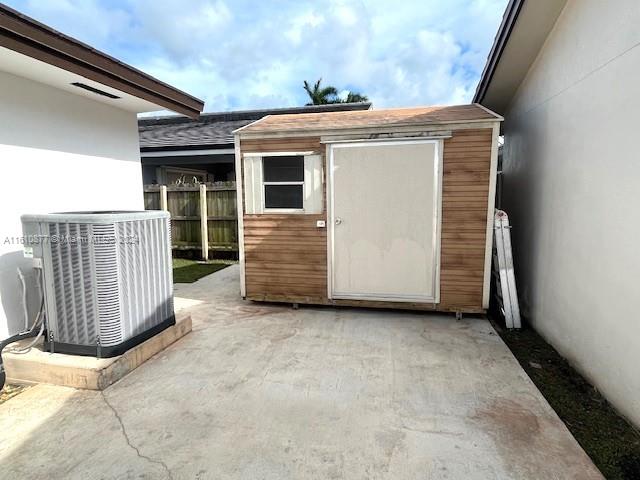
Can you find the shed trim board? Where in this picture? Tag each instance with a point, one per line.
(287, 257)
(369, 130)
(240, 208)
(280, 154)
(488, 254)
(238, 130)
(389, 139)
(499, 117)
(332, 292)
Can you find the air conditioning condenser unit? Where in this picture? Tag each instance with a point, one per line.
(107, 278)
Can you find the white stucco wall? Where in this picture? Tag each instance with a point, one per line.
(58, 152)
(572, 189)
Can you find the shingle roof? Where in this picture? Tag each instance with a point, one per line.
(372, 118)
(215, 129)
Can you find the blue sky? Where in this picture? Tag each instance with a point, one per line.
(240, 54)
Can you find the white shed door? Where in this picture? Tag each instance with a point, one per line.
(385, 203)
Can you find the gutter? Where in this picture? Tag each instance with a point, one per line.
(509, 19)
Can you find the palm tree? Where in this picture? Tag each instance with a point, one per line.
(324, 95)
(321, 96)
(355, 98)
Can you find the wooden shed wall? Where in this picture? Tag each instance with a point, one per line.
(465, 190)
(286, 255)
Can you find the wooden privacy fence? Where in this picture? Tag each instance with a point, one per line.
(203, 216)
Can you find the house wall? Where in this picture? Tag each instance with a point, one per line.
(571, 174)
(286, 255)
(58, 152)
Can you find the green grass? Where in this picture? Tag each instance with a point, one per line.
(188, 271)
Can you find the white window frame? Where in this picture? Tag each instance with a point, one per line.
(264, 189)
(312, 184)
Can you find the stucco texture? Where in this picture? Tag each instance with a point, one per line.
(59, 152)
(571, 175)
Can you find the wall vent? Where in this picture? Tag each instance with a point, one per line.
(94, 90)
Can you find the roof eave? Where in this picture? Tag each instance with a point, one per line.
(28, 37)
(509, 19)
(238, 130)
(522, 35)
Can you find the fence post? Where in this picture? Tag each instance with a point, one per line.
(163, 198)
(204, 231)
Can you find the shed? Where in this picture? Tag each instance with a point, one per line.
(379, 208)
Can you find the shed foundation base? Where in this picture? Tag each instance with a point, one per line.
(304, 300)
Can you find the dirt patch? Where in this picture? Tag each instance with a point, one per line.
(509, 422)
(10, 391)
(611, 442)
(390, 441)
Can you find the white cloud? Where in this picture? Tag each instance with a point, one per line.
(345, 15)
(308, 20)
(246, 54)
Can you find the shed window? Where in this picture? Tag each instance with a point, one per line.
(283, 182)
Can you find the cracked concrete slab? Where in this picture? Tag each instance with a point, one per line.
(267, 392)
(128, 440)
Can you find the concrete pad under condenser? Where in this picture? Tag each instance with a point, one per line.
(91, 373)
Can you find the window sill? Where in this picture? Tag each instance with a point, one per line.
(284, 210)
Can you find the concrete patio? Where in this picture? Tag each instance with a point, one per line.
(268, 392)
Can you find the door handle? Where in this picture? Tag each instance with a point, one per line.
(338, 221)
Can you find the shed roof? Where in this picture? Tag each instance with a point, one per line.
(213, 130)
(392, 117)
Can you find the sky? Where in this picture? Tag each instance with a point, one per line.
(244, 54)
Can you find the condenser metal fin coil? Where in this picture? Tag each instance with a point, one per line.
(107, 278)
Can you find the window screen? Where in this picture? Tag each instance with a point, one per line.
(283, 179)
(283, 196)
(283, 169)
